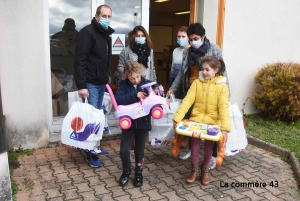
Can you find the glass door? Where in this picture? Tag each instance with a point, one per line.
(66, 18)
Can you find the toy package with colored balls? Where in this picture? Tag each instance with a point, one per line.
(82, 127)
(198, 130)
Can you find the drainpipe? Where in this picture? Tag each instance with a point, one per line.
(220, 25)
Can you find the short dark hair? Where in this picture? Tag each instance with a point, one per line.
(197, 29)
(98, 11)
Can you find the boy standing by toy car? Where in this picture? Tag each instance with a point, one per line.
(130, 92)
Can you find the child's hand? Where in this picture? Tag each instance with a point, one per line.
(175, 124)
(141, 95)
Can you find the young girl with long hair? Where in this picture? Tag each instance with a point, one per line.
(209, 96)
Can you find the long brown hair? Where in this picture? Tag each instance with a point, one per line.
(142, 29)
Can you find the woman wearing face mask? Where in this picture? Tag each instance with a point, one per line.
(182, 40)
(191, 65)
(140, 50)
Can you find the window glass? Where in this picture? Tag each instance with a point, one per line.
(66, 18)
(126, 15)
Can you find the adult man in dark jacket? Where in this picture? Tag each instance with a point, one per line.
(91, 63)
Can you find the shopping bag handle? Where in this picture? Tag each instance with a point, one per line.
(85, 100)
(172, 97)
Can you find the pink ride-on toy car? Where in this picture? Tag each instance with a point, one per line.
(152, 103)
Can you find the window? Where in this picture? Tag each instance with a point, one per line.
(66, 18)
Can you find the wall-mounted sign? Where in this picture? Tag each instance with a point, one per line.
(118, 43)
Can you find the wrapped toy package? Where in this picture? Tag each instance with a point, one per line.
(203, 131)
(83, 127)
(198, 130)
(237, 138)
(162, 131)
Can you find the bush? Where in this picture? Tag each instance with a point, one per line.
(276, 90)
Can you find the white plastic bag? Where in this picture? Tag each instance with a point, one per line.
(106, 106)
(237, 138)
(83, 127)
(162, 131)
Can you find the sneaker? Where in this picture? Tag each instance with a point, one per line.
(93, 160)
(213, 163)
(186, 156)
(99, 151)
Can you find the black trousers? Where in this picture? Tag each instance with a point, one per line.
(126, 139)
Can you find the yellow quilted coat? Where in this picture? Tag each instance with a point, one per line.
(210, 99)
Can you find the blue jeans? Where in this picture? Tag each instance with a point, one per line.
(96, 94)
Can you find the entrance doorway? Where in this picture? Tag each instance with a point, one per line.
(165, 18)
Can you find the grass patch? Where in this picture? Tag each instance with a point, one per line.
(29, 184)
(14, 188)
(283, 134)
(14, 164)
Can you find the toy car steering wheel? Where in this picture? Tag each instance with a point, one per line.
(148, 86)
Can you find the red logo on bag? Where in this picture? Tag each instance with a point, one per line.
(77, 123)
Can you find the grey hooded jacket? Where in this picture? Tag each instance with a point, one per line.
(128, 54)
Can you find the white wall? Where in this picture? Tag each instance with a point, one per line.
(258, 32)
(25, 76)
(207, 15)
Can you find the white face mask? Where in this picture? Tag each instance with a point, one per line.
(196, 43)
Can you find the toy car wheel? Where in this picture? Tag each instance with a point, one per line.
(125, 123)
(157, 112)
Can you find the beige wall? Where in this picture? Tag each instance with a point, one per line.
(258, 32)
(169, 19)
(23, 60)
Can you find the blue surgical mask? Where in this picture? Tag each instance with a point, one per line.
(140, 40)
(182, 42)
(104, 22)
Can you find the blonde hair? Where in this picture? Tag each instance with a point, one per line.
(132, 67)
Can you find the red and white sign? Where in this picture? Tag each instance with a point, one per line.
(118, 43)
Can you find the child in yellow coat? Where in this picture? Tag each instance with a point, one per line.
(209, 94)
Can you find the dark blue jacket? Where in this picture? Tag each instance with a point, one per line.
(126, 94)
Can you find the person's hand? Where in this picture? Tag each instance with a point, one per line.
(141, 95)
(83, 93)
(175, 124)
(225, 134)
(169, 93)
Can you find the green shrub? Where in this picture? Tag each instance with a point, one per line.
(276, 90)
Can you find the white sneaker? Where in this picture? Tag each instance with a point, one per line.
(213, 163)
(186, 156)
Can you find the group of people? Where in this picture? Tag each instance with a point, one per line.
(197, 77)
